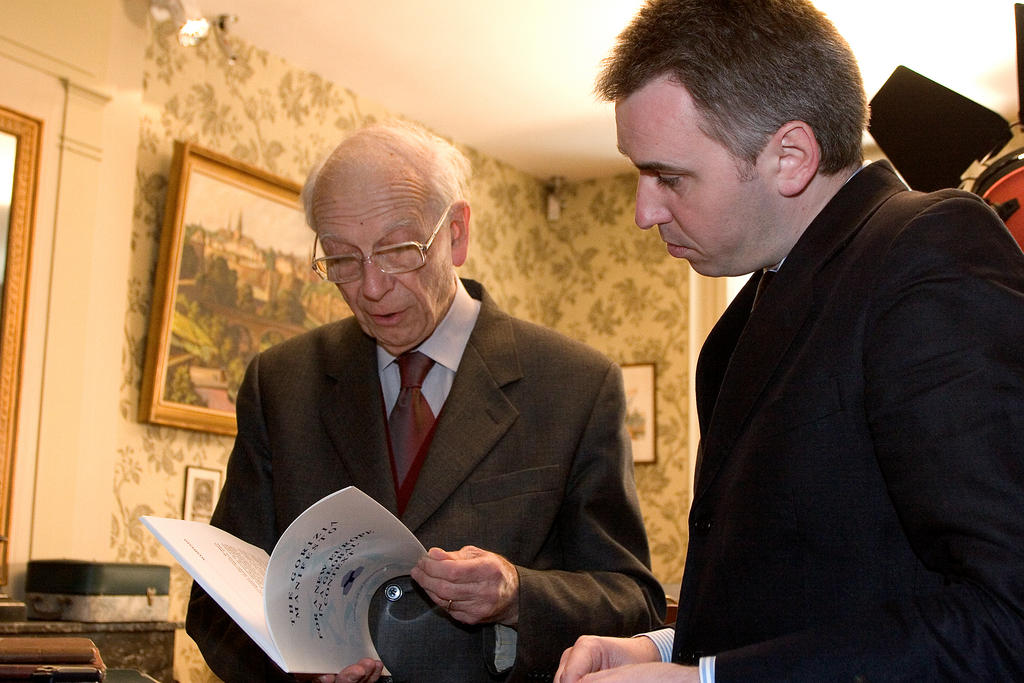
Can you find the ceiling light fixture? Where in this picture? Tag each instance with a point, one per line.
(193, 31)
(193, 27)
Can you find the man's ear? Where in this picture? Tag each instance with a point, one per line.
(796, 153)
(458, 223)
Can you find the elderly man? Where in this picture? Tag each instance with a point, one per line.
(521, 486)
(858, 509)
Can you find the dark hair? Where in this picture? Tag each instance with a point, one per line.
(750, 66)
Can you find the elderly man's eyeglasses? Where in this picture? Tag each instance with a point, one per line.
(392, 259)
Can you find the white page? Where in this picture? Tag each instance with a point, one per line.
(324, 572)
(231, 571)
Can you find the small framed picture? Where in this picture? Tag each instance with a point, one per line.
(640, 410)
(202, 488)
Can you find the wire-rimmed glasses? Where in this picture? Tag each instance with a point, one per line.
(391, 259)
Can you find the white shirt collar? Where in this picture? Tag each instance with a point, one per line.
(448, 341)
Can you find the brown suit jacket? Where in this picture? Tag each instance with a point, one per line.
(529, 459)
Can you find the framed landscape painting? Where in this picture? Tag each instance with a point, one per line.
(233, 278)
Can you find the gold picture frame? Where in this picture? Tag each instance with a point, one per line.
(641, 416)
(22, 140)
(233, 278)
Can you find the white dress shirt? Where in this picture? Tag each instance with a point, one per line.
(445, 346)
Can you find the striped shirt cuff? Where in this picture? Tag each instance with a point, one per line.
(662, 640)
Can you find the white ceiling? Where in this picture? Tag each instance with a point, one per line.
(514, 78)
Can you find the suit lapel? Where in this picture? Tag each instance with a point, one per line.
(761, 345)
(352, 414)
(475, 416)
(713, 362)
(718, 349)
(748, 355)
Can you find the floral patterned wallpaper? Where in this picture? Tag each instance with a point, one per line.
(591, 274)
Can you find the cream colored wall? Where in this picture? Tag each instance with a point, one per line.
(114, 101)
(86, 87)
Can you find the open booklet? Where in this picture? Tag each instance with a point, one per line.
(305, 604)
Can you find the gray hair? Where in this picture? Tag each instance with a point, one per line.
(445, 169)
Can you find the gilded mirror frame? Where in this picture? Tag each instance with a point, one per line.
(27, 133)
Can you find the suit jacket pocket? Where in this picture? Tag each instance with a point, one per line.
(522, 482)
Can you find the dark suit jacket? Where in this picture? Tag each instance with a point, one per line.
(529, 460)
(859, 503)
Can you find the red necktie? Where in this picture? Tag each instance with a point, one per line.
(411, 419)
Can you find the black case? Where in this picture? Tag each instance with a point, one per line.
(74, 590)
(419, 641)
